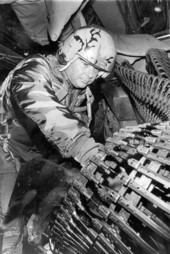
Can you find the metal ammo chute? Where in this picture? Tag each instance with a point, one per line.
(129, 215)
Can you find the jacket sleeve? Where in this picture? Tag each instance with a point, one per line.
(32, 94)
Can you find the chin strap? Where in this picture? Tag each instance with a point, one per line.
(90, 99)
(87, 108)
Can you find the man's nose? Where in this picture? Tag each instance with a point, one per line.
(91, 72)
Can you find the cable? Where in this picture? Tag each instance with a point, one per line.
(123, 53)
(18, 57)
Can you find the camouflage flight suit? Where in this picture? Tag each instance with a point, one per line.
(42, 107)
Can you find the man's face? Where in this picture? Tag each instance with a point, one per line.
(80, 73)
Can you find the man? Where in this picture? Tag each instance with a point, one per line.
(42, 106)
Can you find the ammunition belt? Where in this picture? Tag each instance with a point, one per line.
(158, 63)
(150, 93)
(129, 215)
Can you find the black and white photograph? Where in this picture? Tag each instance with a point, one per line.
(84, 126)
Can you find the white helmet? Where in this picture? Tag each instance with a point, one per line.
(92, 44)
